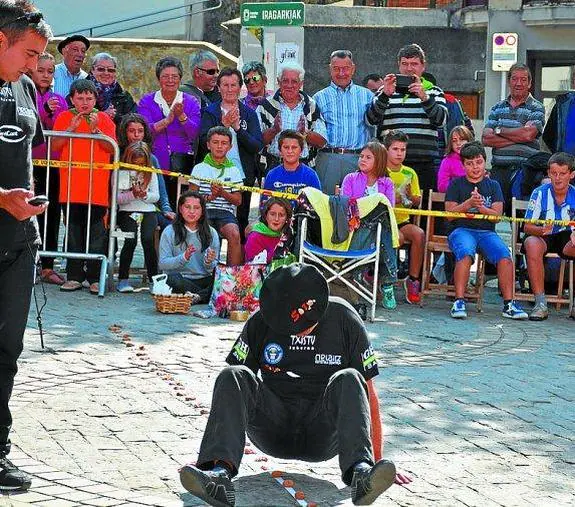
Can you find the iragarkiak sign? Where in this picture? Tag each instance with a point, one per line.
(273, 14)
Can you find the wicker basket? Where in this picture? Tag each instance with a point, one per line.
(174, 303)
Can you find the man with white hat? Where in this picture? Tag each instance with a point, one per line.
(311, 400)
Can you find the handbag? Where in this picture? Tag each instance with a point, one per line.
(237, 288)
(182, 163)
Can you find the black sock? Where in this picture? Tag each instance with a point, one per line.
(506, 302)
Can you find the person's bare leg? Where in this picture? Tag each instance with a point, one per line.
(535, 249)
(505, 277)
(461, 276)
(232, 234)
(416, 236)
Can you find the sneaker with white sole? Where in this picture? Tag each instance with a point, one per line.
(11, 477)
(214, 488)
(458, 310)
(539, 312)
(513, 311)
(124, 286)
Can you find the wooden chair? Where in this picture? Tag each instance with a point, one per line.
(435, 243)
(516, 242)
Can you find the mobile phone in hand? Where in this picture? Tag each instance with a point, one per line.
(38, 200)
(402, 82)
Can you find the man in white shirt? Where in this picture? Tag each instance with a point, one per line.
(73, 50)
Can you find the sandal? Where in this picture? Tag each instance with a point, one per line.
(71, 286)
(50, 276)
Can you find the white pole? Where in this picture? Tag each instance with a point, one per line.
(503, 86)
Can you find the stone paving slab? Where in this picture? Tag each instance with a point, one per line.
(479, 412)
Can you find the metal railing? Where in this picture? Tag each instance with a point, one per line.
(107, 261)
(422, 4)
(148, 15)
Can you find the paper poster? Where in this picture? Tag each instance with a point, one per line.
(287, 51)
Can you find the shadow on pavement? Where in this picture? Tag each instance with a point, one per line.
(262, 490)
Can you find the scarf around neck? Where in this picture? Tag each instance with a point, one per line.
(264, 230)
(208, 159)
(105, 92)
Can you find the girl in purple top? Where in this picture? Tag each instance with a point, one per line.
(174, 119)
(265, 235)
(451, 166)
(372, 176)
(49, 104)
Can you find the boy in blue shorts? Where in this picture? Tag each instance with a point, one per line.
(550, 201)
(221, 200)
(475, 193)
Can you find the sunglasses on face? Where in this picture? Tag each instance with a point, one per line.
(255, 79)
(109, 70)
(210, 72)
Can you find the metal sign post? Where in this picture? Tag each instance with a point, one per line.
(504, 56)
(272, 33)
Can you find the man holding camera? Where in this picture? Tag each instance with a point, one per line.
(408, 102)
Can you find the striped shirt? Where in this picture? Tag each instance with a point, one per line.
(504, 115)
(343, 111)
(290, 120)
(63, 79)
(230, 174)
(542, 205)
(419, 120)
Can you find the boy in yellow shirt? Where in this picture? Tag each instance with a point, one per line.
(407, 195)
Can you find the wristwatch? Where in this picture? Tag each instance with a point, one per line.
(498, 130)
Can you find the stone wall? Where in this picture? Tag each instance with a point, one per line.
(137, 59)
(375, 49)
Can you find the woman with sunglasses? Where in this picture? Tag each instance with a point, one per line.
(255, 79)
(112, 98)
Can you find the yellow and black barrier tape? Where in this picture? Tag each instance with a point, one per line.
(293, 197)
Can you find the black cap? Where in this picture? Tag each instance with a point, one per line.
(73, 38)
(293, 298)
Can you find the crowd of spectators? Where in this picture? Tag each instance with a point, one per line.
(399, 135)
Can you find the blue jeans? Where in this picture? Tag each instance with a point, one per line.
(465, 242)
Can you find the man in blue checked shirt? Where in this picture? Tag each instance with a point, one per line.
(550, 201)
(343, 106)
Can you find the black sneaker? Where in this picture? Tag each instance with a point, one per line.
(368, 484)
(214, 488)
(11, 477)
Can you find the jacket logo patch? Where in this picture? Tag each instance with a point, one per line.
(11, 134)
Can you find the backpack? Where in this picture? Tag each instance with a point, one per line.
(529, 175)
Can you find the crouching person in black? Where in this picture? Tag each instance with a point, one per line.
(314, 396)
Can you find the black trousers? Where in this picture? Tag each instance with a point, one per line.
(338, 423)
(77, 227)
(201, 286)
(147, 234)
(16, 281)
(53, 211)
(243, 211)
(427, 176)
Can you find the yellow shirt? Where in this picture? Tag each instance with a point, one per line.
(402, 177)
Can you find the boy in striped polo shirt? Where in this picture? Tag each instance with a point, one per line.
(550, 201)
(221, 199)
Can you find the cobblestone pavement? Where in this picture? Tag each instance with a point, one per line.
(479, 412)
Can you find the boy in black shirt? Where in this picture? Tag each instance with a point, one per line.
(23, 37)
(474, 193)
(314, 396)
